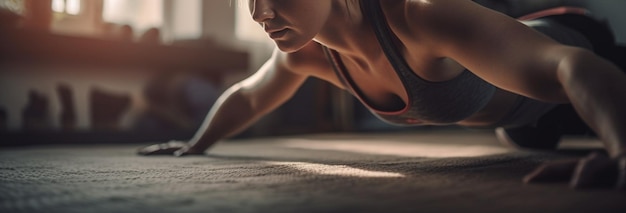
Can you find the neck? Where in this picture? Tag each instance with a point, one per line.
(346, 31)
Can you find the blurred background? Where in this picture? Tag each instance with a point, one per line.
(149, 70)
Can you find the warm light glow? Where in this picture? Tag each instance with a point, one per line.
(71, 7)
(403, 149)
(187, 19)
(246, 28)
(338, 170)
(58, 6)
(141, 15)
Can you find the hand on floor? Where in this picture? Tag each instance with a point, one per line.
(595, 170)
(176, 148)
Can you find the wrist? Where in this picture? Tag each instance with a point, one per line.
(198, 146)
(617, 154)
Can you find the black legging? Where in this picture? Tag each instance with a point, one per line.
(598, 33)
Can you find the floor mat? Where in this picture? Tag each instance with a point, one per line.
(449, 171)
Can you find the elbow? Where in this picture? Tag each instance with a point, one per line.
(237, 99)
(559, 80)
(244, 99)
(579, 71)
(571, 66)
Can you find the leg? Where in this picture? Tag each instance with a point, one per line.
(545, 134)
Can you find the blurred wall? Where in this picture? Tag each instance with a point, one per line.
(218, 20)
(614, 11)
(214, 18)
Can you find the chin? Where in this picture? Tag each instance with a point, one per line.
(288, 50)
(289, 47)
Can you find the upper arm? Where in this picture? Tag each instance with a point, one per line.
(271, 85)
(495, 47)
(281, 77)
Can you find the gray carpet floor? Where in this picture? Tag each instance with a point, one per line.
(449, 171)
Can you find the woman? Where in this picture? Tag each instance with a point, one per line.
(428, 62)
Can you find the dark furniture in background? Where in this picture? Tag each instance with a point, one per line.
(44, 49)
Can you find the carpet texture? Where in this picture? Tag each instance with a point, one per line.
(449, 171)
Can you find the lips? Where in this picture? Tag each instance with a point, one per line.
(277, 33)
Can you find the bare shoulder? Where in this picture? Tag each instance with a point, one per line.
(437, 22)
(430, 13)
(422, 22)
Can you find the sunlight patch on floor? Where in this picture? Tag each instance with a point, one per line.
(338, 170)
(402, 149)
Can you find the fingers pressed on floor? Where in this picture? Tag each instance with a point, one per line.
(556, 171)
(621, 178)
(596, 170)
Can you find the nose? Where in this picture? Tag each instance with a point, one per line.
(262, 11)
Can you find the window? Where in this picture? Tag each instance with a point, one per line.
(71, 7)
(186, 20)
(140, 14)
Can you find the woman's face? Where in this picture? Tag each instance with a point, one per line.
(290, 23)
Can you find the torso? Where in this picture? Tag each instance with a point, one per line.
(381, 87)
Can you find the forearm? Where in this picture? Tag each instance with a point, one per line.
(247, 101)
(230, 115)
(597, 90)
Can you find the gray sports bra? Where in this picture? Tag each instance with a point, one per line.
(428, 102)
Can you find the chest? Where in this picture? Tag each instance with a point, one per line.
(378, 83)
